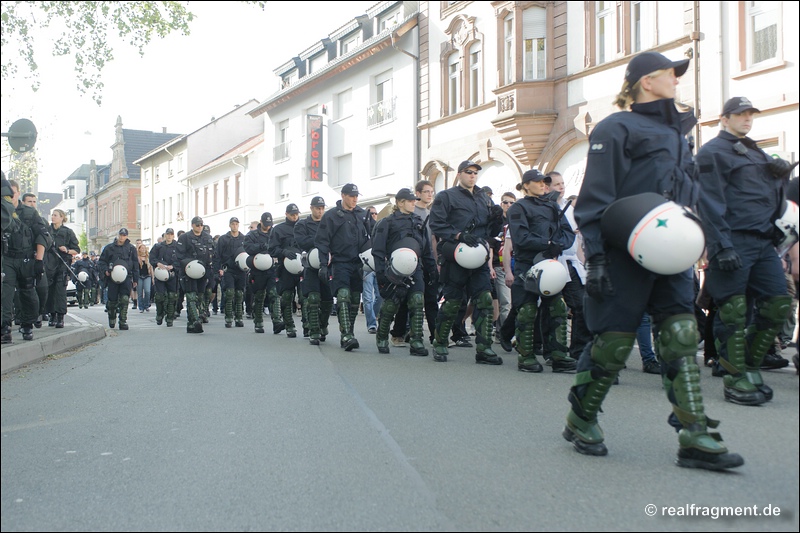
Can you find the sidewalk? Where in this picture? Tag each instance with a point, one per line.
(47, 341)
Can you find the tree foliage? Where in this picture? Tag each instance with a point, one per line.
(84, 34)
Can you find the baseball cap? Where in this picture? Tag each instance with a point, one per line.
(405, 194)
(466, 164)
(169, 230)
(266, 218)
(84, 252)
(648, 62)
(291, 209)
(232, 220)
(487, 190)
(318, 201)
(738, 105)
(532, 175)
(123, 231)
(197, 221)
(351, 189)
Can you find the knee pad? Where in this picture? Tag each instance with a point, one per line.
(527, 313)
(450, 308)
(314, 298)
(416, 300)
(774, 309)
(343, 295)
(557, 308)
(611, 349)
(733, 310)
(484, 300)
(677, 337)
(355, 297)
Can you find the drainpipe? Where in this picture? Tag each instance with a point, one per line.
(696, 37)
(244, 178)
(417, 139)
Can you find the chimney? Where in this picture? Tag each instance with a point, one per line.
(164, 129)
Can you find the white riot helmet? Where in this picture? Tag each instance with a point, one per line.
(314, 259)
(161, 274)
(547, 277)
(367, 260)
(403, 262)
(119, 273)
(293, 266)
(787, 225)
(471, 257)
(241, 261)
(660, 235)
(83, 276)
(263, 261)
(195, 269)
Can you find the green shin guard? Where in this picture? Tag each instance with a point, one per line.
(286, 312)
(732, 351)
(124, 301)
(312, 304)
(526, 360)
(275, 310)
(238, 305)
(355, 301)
(160, 305)
(483, 330)
(609, 353)
(343, 306)
(556, 339)
(192, 315)
(416, 307)
(172, 302)
(388, 310)
(258, 308)
(325, 310)
(111, 307)
(304, 315)
(774, 311)
(444, 323)
(229, 306)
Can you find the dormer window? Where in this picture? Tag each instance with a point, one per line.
(389, 20)
(350, 44)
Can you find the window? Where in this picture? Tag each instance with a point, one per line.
(382, 162)
(388, 21)
(226, 193)
(180, 163)
(534, 34)
(344, 105)
(289, 79)
(453, 85)
(350, 44)
(169, 211)
(71, 215)
(606, 31)
(281, 148)
(169, 168)
(342, 170)
(205, 200)
(147, 177)
(216, 197)
(238, 190)
(317, 62)
(282, 187)
(508, 49)
(475, 85)
(762, 31)
(382, 108)
(197, 200)
(157, 221)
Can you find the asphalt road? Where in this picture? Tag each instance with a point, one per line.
(153, 429)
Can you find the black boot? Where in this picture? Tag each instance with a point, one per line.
(59, 320)
(27, 332)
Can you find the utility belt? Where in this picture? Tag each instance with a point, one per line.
(19, 255)
(755, 233)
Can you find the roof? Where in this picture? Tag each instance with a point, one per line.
(138, 143)
(243, 148)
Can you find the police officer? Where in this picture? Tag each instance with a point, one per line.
(122, 253)
(261, 278)
(539, 230)
(195, 245)
(317, 297)
(229, 246)
(95, 273)
(25, 238)
(402, 232)
(343, 234)
(282, 246)
(743, 194)
(461, 214)
(42, 283)
(164, 255)
(641, 151)
(58, 263)
(83, 286)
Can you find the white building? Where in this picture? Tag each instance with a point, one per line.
(74, 189)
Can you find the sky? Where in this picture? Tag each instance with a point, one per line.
(179, 84)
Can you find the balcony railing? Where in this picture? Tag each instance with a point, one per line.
(381, 113)
(280, 152)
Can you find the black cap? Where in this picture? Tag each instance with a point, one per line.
(738, 105)
(405, 194)
(84, 252)
(292, 209)
(318, 201)
(648, 62)
(351, 189)
(487, 190)
(197, 221)
(532, 175)
(266, 218)
(169, 230)
(232, 220)
(466, 164)
(123, 231)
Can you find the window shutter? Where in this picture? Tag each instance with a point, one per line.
(534, 23)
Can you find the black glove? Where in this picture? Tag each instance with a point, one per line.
(728, 260)
(290, 255)
(469, 239)
(264, 248)
(323, 273)
(432, 279)
(781, 168)
(553, 250)
(38, 268)
(496, 213)
(598, 280)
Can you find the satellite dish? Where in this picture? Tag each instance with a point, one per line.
(21, 135)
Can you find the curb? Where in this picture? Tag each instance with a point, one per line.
(17, 356)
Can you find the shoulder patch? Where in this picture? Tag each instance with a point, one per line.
(515, 216)
(598, 147)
